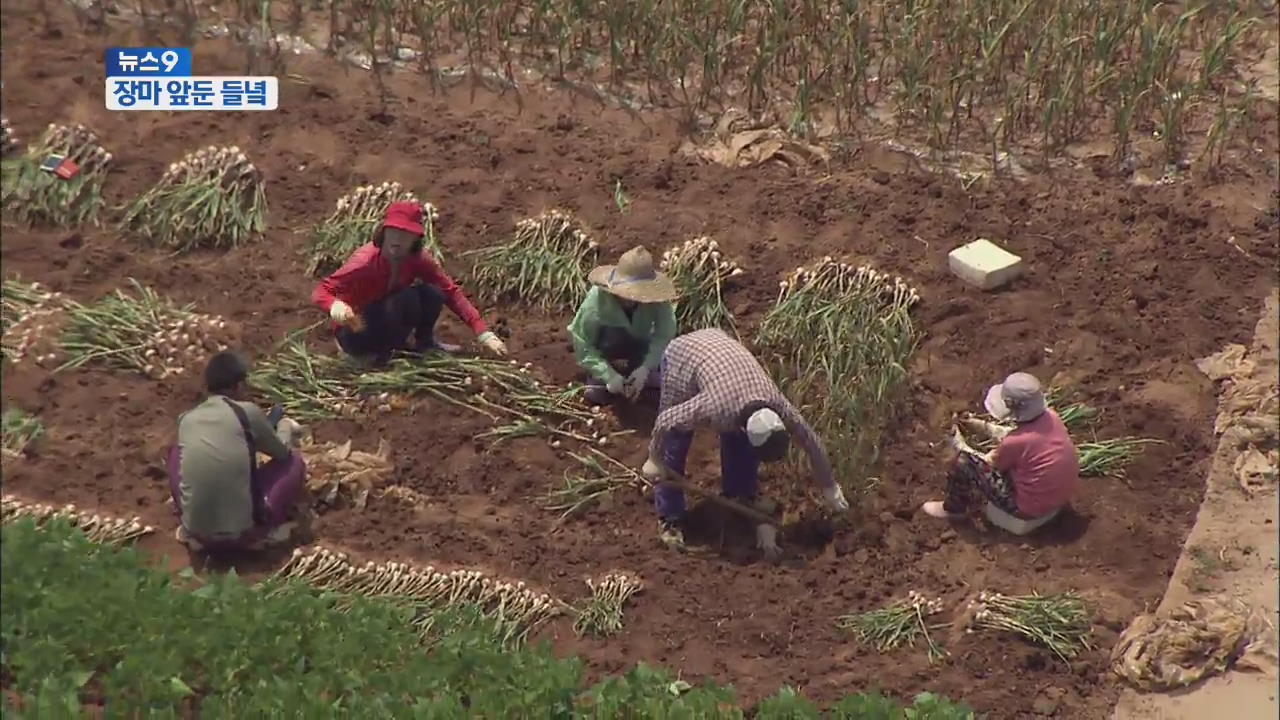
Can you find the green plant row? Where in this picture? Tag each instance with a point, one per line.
(88, 625)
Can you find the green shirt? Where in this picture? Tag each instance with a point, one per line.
(651, 323)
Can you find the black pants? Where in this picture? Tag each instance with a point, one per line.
(622, 351)
(388, 323)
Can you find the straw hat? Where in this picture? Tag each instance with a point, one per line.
(635, 278)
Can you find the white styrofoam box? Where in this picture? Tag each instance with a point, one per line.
(984, 264)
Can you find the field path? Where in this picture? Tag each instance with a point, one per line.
(1240, 529)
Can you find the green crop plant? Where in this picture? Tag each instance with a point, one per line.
(601, 615)
(8, 139)
(68, 603)
(1058, 622)
(839, 338)
(899, 623)
(311, 386)
(19, 429)
(355, 219)
(212, 198)
(999, 72)
(31, 194)
(700, 273)
(1110, 457)
(604, 475)
(96, 527)
(513, 609)
(25, 307)
(144, 332)
(543, 266)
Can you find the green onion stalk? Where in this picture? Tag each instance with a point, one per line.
(312, 387)
(1058, 622)
(33, 195)
(212, 198)
(354, 220)
(839, 338)
(700, 272)
(143, 332)
(601, 615)
(18, 429)
(899, 623)
(543, 266)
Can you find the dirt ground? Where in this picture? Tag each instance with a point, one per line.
(1231, 551)
(1127, 287)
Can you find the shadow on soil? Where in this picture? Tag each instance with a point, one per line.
(716, 529)
(1069, 527)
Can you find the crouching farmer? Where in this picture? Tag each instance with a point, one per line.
(623, 326)
(710, 379)
(224, 500)
(375, 304)
(1030, 476)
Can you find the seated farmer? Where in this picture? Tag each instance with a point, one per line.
(373, 300)
(710, 379)
(623, 326)
(224, 500)
(1031, 474)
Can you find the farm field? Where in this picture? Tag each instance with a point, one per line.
(1129, 282)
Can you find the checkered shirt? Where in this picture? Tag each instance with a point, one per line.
(707, 380)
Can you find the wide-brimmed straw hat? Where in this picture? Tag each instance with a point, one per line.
(635, 278)
(1019, 397)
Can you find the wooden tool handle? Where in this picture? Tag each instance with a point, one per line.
(680, 481)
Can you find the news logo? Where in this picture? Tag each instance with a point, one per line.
(158, 78)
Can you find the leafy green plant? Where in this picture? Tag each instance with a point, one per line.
(88, 623)
(214, 197)
(34, 195)
(544, 265)
(839, 338)
(18, 430)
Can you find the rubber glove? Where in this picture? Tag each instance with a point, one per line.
(493, 342)
(290, 432)
(767, 541)
(636, 382)
(835, 498)
(342, 313)
(615, 383)
(653, 470)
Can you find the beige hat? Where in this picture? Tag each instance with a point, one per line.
(635, 278)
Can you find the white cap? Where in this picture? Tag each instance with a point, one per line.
(761, 424)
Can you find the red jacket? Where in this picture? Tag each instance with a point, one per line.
(366, 275)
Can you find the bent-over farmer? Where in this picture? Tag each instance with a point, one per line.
(623, 326)
(710, 379)
(376, 305)
(224, 500)
(1030, 476)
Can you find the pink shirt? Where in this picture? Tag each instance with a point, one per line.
(1041, 460)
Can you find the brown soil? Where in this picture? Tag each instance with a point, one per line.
(1127, 287)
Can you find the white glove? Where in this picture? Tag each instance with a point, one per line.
(493, 342)
(614, 384)
(957, 440)
(653, 471)
(636, 382)
(289, 432)
(835, 498)
(767, 540)
(341, 312)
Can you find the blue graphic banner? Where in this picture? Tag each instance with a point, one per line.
(148, 62)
